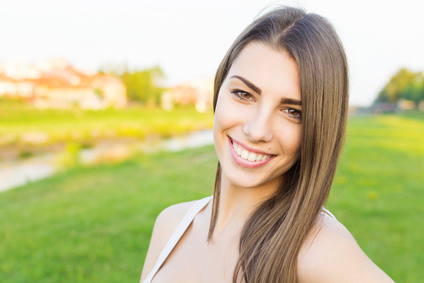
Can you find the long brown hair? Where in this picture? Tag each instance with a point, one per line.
(274, 233)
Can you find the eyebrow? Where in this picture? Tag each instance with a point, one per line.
(290, 101)
(249, 84)
(259, 91)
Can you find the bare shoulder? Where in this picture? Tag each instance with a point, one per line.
(165, 224)
(331, 254)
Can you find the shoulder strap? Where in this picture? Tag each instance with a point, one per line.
(326, 211)
(176, 236)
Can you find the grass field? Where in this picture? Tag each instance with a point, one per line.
(93, 224)
(379, 191)
(23, 125)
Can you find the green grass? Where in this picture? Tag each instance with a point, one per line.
(93, 224)
(53, 126)
(379, 191)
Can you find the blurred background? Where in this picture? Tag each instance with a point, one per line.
(105, 119)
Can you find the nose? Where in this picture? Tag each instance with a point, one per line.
(257, 127)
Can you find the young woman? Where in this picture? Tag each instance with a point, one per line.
(280, 102)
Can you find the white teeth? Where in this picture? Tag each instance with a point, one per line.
(250, 156)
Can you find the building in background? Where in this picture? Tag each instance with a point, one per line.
(57, 84)
(198, 92)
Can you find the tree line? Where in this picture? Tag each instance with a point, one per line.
(404, 85)
(144, 86)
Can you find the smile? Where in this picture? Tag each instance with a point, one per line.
(246, 157)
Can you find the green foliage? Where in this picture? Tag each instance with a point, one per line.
(405, 84)
(142, 85)
(93, 224)
(415, 91)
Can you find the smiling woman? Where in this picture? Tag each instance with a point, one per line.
(258, 113)
(280, 103)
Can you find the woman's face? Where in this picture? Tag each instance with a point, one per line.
(257, 124)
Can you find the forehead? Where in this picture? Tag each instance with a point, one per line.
(273, 71)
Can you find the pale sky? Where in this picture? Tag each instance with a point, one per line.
(189, 38)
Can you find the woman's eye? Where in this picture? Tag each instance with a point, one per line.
(242, 95)
(294, 113)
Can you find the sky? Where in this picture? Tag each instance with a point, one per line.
(188, 39)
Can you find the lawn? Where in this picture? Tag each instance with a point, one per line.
(24, 125)
(379, 191)
(93, 224)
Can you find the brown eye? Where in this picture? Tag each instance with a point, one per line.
(294, 113)
(242, 95)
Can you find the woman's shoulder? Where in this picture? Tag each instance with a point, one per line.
(168, 220)
(172, 215)
(331, 254)
(165, 224)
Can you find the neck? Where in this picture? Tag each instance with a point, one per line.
(236, 204)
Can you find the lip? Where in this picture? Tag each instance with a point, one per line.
(247, 163)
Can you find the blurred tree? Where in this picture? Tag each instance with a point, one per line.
(415, 91)
(398, 86)
(142, 85)
(411, 93)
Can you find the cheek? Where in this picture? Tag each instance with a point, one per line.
(218, 116)
(219, 119)
(290, 139)
(224, 113)
(297, 139)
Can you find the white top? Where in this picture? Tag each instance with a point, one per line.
(176, 236)
(180, 230)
